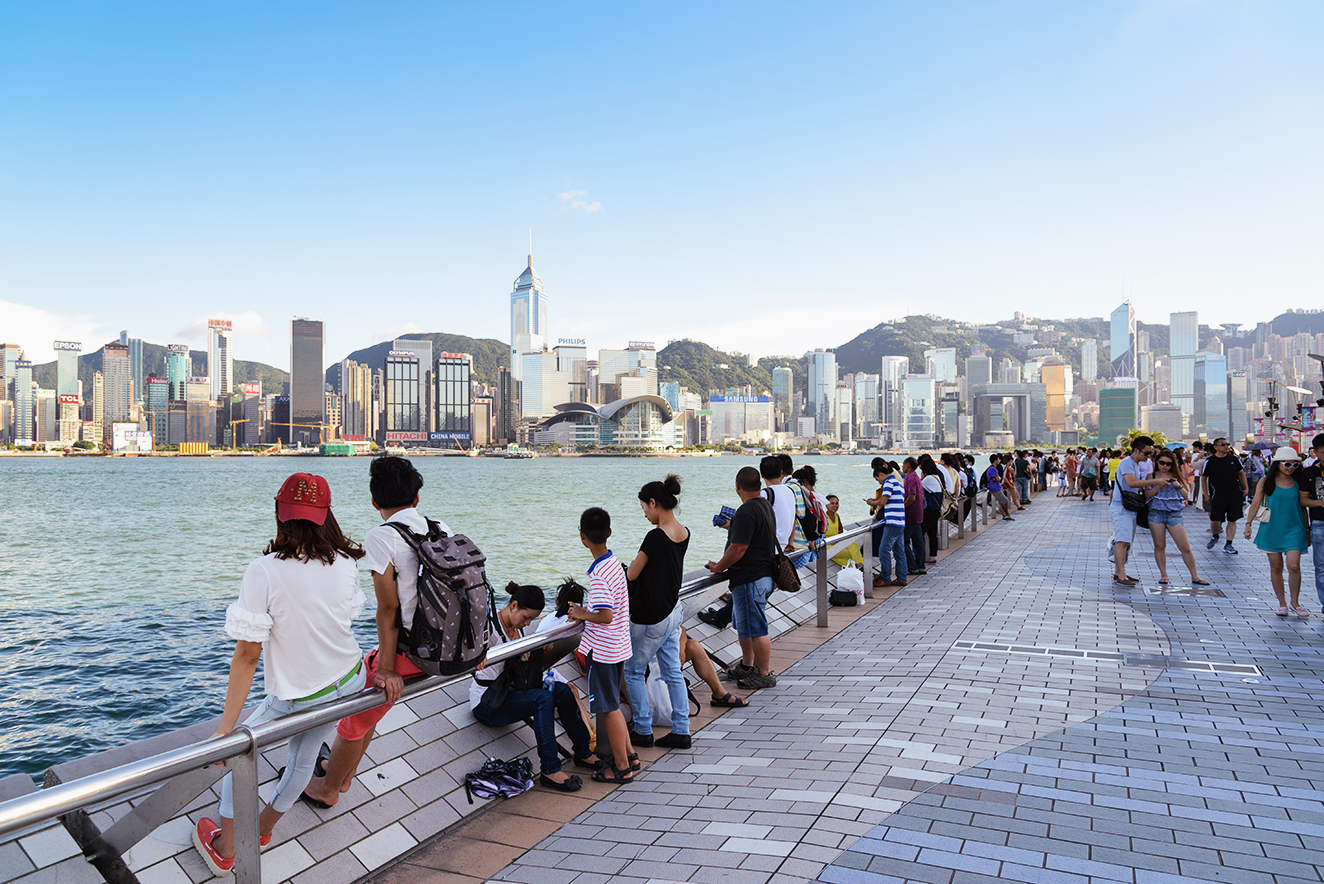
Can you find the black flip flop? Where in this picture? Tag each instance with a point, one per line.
(612, 774)
(571, 784)
(730, 701)
(304, 796)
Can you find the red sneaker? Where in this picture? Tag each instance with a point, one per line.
(204, 833)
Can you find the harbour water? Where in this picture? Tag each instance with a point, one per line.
(115, 573)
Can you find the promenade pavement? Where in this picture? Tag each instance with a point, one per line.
(1010, 716)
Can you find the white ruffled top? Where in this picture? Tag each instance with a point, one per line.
(301, 613)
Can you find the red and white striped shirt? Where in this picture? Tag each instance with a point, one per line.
(607, 589)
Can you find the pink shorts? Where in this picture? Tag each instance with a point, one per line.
(356, 727)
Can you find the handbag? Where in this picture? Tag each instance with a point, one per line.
(784, 575)
(1263, 513)
(516, 675)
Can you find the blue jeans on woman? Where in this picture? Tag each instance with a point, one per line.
(300, 753)
(540, 704)
(663, 641)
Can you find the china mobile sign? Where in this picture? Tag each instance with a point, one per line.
(402, 436)
(222, 324)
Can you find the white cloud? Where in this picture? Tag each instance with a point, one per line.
(390, 334)
(579, 199)
(35, 330)
(247, 325)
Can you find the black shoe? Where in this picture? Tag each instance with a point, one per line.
(920, 571)
(1213, 542)
(644, 740)
(673, 741)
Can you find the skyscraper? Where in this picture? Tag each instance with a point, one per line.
(894, 369)
(783, 394)
(220, 357)
(978, 369)
(528, 316)
(866, 406)
(66, 367)
(1183, 341)
(179, 368)
(403, 420)
(455, 397)
(25, 430)
(940, 364)
(1123, 349)
(118, 373)
(821, 397)
(1089, 359)
(422, 347)
(307, 381)
(358, 421)
(1211, 399)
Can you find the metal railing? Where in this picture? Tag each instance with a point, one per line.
(186, 772)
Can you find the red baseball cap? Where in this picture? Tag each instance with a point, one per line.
(303, 496)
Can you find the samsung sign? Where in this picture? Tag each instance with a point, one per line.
(739, 398)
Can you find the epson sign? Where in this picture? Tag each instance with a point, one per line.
(69, 346)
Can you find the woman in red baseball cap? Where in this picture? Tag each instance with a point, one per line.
(296, 604)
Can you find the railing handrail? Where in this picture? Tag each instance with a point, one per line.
(28, 810)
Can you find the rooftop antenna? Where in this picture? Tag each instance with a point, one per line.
(530, 246)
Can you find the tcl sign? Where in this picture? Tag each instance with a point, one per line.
(70, 399)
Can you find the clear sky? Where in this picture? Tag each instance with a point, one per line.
(766, 177)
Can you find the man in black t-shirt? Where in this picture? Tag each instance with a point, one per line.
(750, 546)
(1311, 482)
(1224, 482)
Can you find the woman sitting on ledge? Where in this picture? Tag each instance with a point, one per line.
(513, 690)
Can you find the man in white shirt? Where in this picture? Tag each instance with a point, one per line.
(781, 498)
(394, 484)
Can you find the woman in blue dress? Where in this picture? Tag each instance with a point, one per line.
(1285, 536)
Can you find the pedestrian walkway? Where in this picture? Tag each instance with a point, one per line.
(1010, 716)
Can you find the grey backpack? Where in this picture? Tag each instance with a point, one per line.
(448, 635)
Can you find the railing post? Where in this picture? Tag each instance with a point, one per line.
(247, 850)
(974, 514)
(942, 533)
(820, 578)
(866, 545)
(960, 519)
(983, 505)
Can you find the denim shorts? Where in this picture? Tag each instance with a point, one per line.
(1171, 518)
(747, 603)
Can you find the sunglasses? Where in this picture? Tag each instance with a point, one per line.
(1165, 463)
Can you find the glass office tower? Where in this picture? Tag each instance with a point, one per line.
(307, 381)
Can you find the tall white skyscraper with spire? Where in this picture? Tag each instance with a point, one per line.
(528, 317)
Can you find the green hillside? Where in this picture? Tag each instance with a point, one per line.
(488, 354)
(697, 366)
(154, 356)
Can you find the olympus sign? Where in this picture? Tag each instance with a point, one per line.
(641, 345)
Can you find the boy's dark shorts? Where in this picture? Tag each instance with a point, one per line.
(604, 686)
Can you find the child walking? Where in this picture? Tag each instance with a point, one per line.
(606, 642)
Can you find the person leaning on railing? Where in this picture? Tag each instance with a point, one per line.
(297, 602)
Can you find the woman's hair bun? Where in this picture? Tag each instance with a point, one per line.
(672, 484)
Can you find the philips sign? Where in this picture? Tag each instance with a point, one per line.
(571, 342)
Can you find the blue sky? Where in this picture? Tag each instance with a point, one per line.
(766, 177)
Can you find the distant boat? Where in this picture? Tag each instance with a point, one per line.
(518, 455)
(394, 451)
(336, 449)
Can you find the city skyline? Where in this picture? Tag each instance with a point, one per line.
(964, 160)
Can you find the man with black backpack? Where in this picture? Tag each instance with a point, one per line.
(394, 484)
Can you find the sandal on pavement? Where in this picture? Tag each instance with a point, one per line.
(633, 758)
(1199, 583)
(730, 701)
(1300, 611)
(571, 783)
(595, 764)
(613, 774)
(1163, 582)
(1127, 581)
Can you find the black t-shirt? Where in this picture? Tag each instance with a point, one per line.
(654, 593)
(752, 525)
(1222, 473)
(1022, 468)
(1311, 481)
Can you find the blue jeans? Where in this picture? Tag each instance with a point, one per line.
(663, 640)
(1317, 555)
(748, 601)
(300, 754)
(540, 704)
(914, 542)
(893, 542)
(1023, 487)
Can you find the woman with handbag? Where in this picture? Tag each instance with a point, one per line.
(1166, 503)
(934, 484)
(513, 690)
(1284, 534)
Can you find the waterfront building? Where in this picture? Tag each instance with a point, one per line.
(158, 408)
(741, 418)
(25, 431)
(572, 358)
(1183, 341)
(98, 408)
(197, 390)
(455, 400)
(1020, 409)
(1165, 419)
(821, 397)
(640, 422)
(1056, 378)
(307, 381)
(278, 424)
(627, 373)
(9, 356)
(358, 418)
(45, 416)
(948, 430)
(940, 364)
(427, 373)
(481, 421)
(179, 368)
(118, 373)
(542, 386)
(1123, 341)
(894, 368)
(1211, 395)
(528, 316)
(845, 414)
(670, 391)
(66, 367)
(978, 369)
(867, 423)
(783, 395)
(920, 406)
(507, 405)
(401, 384)
(220, 357)
(1117, 411)
(1238, 416)
(1089, 359)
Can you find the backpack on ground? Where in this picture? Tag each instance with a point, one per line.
(499, 779)
(448, 635)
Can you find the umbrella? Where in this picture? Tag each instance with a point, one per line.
(1175, 446)
(1261, 446)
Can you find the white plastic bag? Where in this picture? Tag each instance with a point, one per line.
(851, 579)
(659, 702)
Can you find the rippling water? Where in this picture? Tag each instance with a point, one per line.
(115, 573)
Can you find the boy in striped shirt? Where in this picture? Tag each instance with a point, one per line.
(606, 641)
(892, 513)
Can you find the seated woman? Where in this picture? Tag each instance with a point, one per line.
(567, 593)
(851, 554)
(521, 693)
